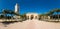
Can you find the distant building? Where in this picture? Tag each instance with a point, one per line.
(32, 15)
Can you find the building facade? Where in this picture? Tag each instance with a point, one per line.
(32, 16)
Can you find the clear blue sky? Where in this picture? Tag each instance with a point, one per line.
(38, 6)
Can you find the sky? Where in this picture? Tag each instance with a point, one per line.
(37, 6)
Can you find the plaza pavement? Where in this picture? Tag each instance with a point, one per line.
(31, 24)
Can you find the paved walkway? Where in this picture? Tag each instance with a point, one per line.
(32, 24)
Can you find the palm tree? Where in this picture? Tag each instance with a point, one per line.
(50, 13)
(1, 16)
(56, 10)
(6, 11)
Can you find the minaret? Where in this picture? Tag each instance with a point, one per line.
(16, 8)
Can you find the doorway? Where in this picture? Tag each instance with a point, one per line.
(32, 17)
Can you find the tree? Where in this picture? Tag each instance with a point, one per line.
(57, 10)
(1, 16)
(6, 12)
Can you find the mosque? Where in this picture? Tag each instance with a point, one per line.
(30, 15)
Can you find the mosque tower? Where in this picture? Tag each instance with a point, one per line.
(16, 8)
(16, 11)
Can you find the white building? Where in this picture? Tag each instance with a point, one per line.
(32, 16)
